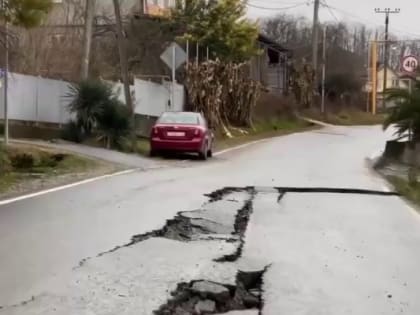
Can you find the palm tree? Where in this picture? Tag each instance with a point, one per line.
(405, 116)
(88, 100)
(114, 123)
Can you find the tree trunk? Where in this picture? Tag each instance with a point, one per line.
(412, 172)
(124, 68)
(87, 40)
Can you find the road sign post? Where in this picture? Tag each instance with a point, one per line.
(409, 64)
(173, 56)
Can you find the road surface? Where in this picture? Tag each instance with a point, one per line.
(323, 253)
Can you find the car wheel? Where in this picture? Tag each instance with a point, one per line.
(203, 154)
(210, 153)
(153, 153)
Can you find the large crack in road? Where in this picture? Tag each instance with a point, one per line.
(207, 297)
(223, 219)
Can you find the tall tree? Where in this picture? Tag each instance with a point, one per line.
(26, 13)
(87, 37)
(122, 49)
(406, 119)
(219, 25)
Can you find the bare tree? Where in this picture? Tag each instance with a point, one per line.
(87, 38)
(124, 66)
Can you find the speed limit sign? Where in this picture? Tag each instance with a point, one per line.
(410, 64)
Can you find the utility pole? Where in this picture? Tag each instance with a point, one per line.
(369, 77)
(6, 77)
(387, 12)
(374, 53)
(324, 66)
(141, 7)
(124, 67)
(87, 40)
(315, 35)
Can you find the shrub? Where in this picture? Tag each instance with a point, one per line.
(88, 99)
(97, 111)
(5, 165)
(72, 132)
(114, 123)
(23, 161)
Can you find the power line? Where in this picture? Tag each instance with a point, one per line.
(387, 12)
(280, 2)
(279, 8)
(325, 5)
(368, 21)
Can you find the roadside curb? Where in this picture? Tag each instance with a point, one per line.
(62, 187)
(314, 121)
(373, 162)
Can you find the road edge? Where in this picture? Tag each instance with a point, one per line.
(62, 187)
(373, 163)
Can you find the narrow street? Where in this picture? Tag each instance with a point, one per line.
(324, 233)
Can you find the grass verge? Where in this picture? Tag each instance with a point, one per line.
(347, 117)
(27, 168)
(262, 129)
(402, 186)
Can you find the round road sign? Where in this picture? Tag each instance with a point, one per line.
(410, 64)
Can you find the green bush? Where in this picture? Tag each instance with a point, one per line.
(23, 161)
(72, 132)
(114, 123)
(98, 111)
(5, 165)
(88, 99)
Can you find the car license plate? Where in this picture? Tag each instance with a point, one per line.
(176, 134)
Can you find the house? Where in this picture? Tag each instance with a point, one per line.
(271, 66)
(393, 80)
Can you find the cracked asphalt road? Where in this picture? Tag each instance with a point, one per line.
(328, 253)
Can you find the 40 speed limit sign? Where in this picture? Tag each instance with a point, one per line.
(410, 64)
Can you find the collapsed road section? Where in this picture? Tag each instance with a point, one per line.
(208, 297)
(199, 262)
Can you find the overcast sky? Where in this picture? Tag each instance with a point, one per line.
(405, 24)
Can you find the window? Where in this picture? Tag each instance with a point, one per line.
(183, 118)
(395, 83)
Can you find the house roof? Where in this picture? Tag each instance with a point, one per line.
(271, 43)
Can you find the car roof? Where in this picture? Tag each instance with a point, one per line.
(180, 112)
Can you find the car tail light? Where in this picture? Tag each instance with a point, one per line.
(197, 132)
(155, 131)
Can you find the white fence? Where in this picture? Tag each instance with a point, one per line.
(152, 99)
(37, 99)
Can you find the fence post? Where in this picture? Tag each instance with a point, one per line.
(37, 101)
(60, 125)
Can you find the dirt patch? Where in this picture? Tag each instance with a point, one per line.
(32, 168)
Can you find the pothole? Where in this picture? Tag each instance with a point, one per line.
(208, 297)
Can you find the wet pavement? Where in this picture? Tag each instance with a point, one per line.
(75, 251)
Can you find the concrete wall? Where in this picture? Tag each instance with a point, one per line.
(152, 99)
(40, 100)
(36, 99)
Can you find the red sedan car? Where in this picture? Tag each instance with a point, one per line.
(182, 132)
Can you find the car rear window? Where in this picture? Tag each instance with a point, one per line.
(179, 118)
